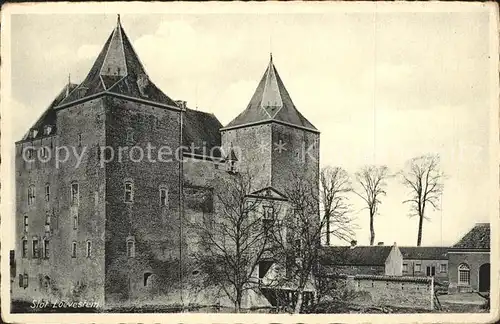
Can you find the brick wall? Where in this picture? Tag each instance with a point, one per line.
(155, 228)
(474, 260)
(66, 277)
(388, 291)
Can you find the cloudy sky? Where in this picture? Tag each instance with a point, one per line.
(382, 88)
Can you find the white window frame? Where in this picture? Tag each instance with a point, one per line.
(130, 251)
(405, 267)
(47, 192)
(35, 248)
(24, 248)
(443, 266)
(26, 223)
(463, 268)
(418, 267)
(88, 248)
(46, 243)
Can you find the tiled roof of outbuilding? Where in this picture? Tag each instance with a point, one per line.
(356, 256)
(477, 238)
(424, 252)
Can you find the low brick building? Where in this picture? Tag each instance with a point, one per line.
(425, 261)
(469, 261)
(366, 260)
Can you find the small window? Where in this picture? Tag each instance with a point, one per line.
(405, 267)
(31, 195)
(75, 194)
(418, 267)
(89, 249)
(34, 133)
(25, 280)
(48, 220)
(44, 152)
(47, 129)
(79, 140)
(163, 197)
(463, 274)
(29, 153)
(46, 248)
(147, 275)
(26, 221)
(73, 249)
(75, 219)
(443, 267)
(35, 249)
(25, 248)
(130, 136)
(268, 212)
(130, 247)
(21, 280)
(47, 192)
(129, 192)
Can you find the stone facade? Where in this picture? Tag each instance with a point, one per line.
(474, 260)
(419, 268)
(388, 291)
(115, 221)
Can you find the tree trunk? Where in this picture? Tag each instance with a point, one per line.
(298, 304)
(420, 224)
(372, 230)
(328, 231)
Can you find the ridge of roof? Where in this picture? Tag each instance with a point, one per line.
(477, 237)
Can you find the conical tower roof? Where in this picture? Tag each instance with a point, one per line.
(118, 70)
(271, 102)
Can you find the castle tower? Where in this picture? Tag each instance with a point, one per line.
(103, 227)
(273, 141)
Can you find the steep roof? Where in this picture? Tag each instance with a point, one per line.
(271, 102)
(201, 129)
(355, 256)
(424, 252)
(49, 115)
(118, 70)
(477, 238)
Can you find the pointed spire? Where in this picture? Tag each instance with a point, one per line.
(271, 102)
(118, 23)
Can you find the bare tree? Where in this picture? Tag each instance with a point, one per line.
(297, 238)
(232, 241)
(423, 177)
(372, 179)
(334, 185)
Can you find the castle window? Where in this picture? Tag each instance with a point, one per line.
(46, 248)
(443, 267)
(268, 218)
(79, 140)
(129, 192)
(75, 194)
(463, 274)
(25, 248)
(73, 249)
(34, 133)
(23, 280)
(47, 129)
(44, 152)
(75, 218)
(418, 267)
(130, 247)
(47, 221)
(89, 249)
(31, 195)
(35, 250)
(147, 275)
(163, 196)
(30, 153)
(405, 267)
(47, 192)
(26, 221)
(130, 136)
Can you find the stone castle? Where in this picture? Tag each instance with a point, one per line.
(113, 232)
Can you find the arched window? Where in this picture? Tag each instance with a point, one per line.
(46, 248)
(147, 275)
(75, 193)
(463, 274)
(73, 249)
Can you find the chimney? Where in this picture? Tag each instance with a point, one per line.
(353, 243)
(181, 103)
(380, 243)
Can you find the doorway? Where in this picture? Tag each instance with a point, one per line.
(484, 278)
